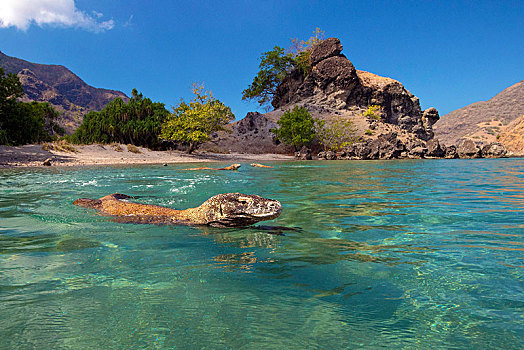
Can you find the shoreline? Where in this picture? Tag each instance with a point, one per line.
(103, 155)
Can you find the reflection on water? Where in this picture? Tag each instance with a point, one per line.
(412, 254)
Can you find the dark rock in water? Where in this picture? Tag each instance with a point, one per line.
(327, 155)
(325, 49)
(451, 152)
(468, 149)
(47, 162)
(359, 150)
(390, 147)
(494, 150)
(330, 155)
(435, 149)
(303, 154)
(418, 152)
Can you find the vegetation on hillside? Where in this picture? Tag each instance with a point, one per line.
(335, 134)
(137, 122)
(297, 127)
(192, 123)
(276, 64)
(20, 122)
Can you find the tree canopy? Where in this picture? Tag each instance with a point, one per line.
(192, 123)
(20, 122)
(137, 122)
(297, 127)
(276, 64)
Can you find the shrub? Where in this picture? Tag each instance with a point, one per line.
(297, 127)
(372, 112)
(60, 146)
(335, 134)
(133, 149)
(192, 123)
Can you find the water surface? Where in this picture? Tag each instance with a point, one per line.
(393, 254)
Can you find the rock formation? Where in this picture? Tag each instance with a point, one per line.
(57, 85)
(333, 89)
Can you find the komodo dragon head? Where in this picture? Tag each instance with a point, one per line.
(237, 209)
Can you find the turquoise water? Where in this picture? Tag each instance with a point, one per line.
(395, 254)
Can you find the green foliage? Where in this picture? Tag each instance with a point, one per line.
(371, 112)
(192, 123)
(369, 132)
(297, 127)
(276, 64)
(137, 122)
(10, 87)
(301, 50)
(335, 134)
(20, 122)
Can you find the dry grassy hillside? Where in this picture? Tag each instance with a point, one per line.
(482, 121)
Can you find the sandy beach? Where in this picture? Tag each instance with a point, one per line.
(34, 156)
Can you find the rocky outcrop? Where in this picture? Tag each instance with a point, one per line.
(57, 85)
(332, 89)
(493, 150)
(333, 82)
(303, 154)
(468, 149)
(249, 135)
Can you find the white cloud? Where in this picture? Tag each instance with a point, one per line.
(22, 13)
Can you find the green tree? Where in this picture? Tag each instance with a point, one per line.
(20, 122)
(192, 123)
(276, 64)
(335, 134)
(297, 127)
(137, 122)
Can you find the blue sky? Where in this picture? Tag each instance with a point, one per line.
(448, 53)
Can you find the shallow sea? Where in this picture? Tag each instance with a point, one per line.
(366, 254)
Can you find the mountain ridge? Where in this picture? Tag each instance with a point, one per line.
(482, 121)
(59, 86)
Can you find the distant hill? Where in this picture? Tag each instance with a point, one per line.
(482, 121)
(60, 87)
(512, 136)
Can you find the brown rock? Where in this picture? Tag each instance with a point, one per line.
(468, 149)
(493, 150)
(325, 49)
(303, 154)
(47, 162)
(435, 149)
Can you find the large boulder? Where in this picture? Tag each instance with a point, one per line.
(435, 150)
(451, 152)
(303, 154)
(494, 150)
(325, 49)
(468, 149)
